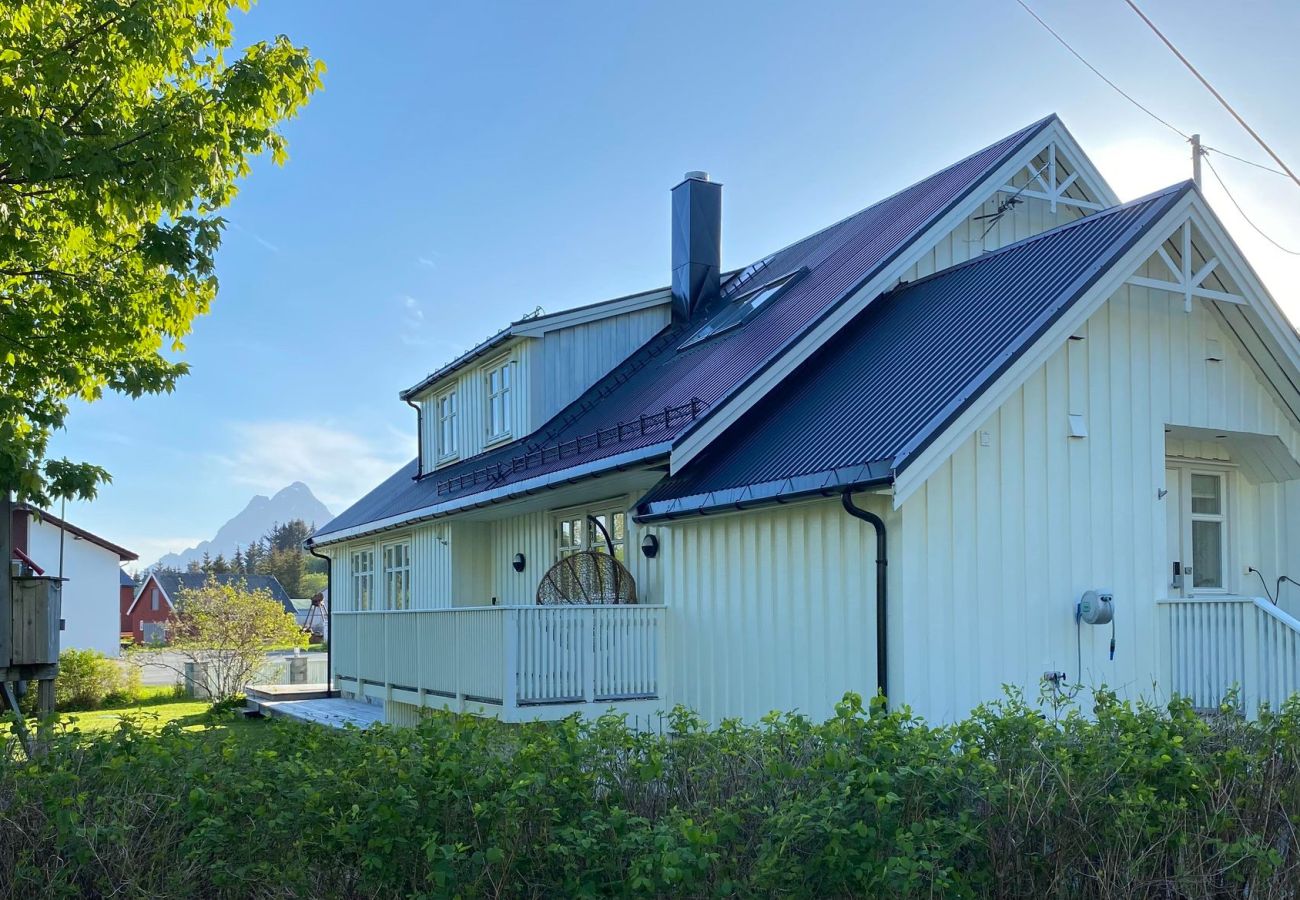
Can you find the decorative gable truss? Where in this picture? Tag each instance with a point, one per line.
(1193, 270)
(1052, 176)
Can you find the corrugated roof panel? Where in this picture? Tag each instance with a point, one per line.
(839, 259)
(911, 360)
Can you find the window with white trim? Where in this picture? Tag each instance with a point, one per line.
(154, 603)
(363, 579)
(397, 575)
(444, 410)
(575, 531)
(498, 400)
(1209, 530)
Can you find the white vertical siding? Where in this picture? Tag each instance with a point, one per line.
(570, 360)
(770, 609)
(1003, 539)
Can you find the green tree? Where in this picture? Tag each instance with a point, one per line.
(280, 553)
(312, 583)
(224, 632)
(125, 126)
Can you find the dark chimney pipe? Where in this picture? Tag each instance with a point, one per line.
(697, 243)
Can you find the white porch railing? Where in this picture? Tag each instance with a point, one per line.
(502, 656)
(1214, 644)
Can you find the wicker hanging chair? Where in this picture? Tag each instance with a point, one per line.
(588, 577)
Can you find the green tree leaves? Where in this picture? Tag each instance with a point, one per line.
(125, 126)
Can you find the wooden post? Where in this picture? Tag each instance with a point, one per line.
(1196, 159)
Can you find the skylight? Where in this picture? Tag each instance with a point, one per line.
(738, 311)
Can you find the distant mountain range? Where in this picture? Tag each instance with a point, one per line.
(294, 502)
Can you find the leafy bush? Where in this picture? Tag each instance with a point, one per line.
(88, 679)
(1131, 801)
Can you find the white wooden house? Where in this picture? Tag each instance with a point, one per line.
(999, 381)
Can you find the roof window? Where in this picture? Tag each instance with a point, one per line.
(740, 310)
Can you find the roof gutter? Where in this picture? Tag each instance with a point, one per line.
(482, 499)
(790, 490)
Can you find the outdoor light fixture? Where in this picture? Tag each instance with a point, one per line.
(518, 562)
(650, 546)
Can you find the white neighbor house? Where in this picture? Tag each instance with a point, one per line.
(1037, 391)
(91, 597)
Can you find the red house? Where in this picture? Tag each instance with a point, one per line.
(153, 602)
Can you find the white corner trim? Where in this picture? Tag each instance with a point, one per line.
(792, 356)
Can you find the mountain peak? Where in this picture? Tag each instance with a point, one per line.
(294, 501)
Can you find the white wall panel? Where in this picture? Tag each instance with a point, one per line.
(570, 360)
(1006, 535)
(91, 594)
(770, 609)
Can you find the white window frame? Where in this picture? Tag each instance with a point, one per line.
(363, 579)
(592, 538)
(1186, 468)
(446, 445)
(395, 557)
(501, 394)
(1221, 518)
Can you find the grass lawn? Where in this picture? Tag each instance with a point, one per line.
(192, 715)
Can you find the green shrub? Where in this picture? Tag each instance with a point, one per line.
(1130, 801)
(88, 679)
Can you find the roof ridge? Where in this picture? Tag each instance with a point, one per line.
(1025, 132)
(1055, 230)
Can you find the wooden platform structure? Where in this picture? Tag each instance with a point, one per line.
(309, 703)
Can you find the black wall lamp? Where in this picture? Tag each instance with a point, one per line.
(518, 562)
(650, 546)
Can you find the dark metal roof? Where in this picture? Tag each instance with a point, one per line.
(658, 377)
(174, 582)
(903, 369)
(125, 580)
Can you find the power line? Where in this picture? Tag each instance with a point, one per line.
(1258, 230)
(1064, 43)
(1248, 162)
(1209, 87)
(1129, 97)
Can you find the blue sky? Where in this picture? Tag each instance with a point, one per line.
(469, 162)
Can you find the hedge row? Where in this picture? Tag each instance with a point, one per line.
(1132, 801)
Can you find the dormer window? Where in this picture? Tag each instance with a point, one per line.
(498, 400)
(444, 411)
(739, 311)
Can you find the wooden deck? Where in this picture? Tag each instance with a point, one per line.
(308, 703)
